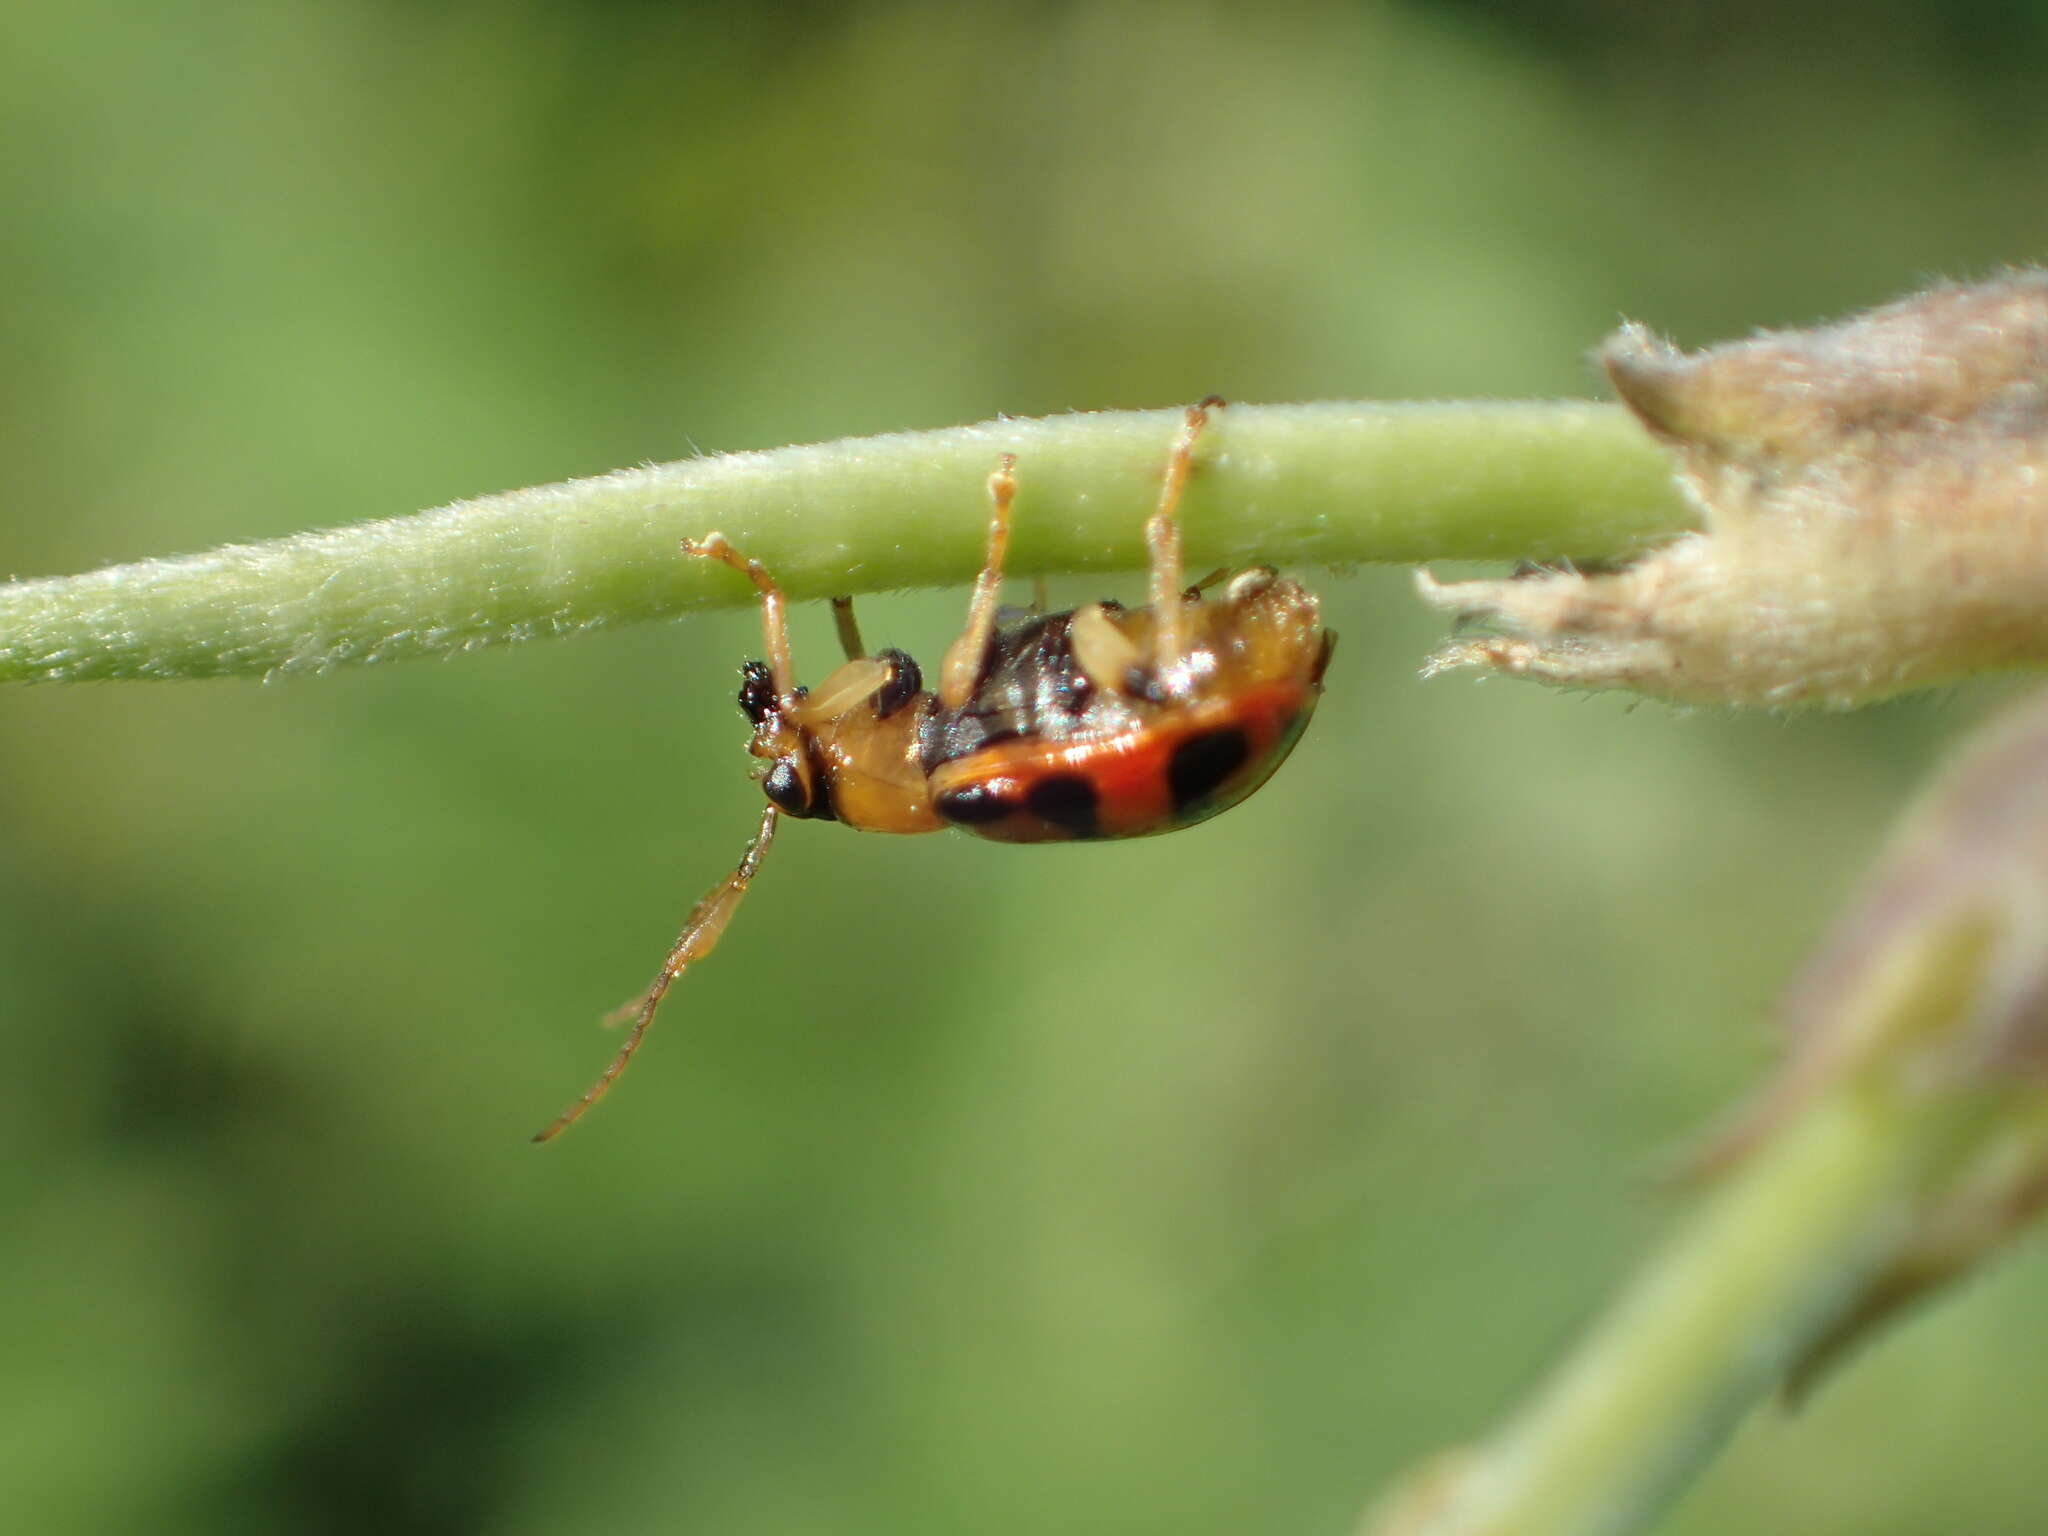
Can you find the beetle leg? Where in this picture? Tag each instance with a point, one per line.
(961, 669)
(701, 931)
(846, 685)
(848, 627)
(1162, 542)
(774, 619)
(1107, 656)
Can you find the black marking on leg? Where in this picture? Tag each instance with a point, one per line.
(1202, 764)
(1067, 801)
(757, 691)
(975, 805)
(906, 682)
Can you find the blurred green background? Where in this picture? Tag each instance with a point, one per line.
(1194, 1185)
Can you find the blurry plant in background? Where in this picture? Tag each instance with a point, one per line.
(1196, 1185)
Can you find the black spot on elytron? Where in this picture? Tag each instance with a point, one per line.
(975, 806)
(784, 786)
(757, 691)
(1202, 764)
(906, 682)
(1067, 801)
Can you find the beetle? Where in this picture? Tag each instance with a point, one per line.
(1100, 722)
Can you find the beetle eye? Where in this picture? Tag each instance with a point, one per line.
(784, 787)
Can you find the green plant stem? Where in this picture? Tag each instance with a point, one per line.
(1760, 1278)
(1714, 1325)
(1323, 484)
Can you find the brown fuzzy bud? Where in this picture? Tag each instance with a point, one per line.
(1874, 497)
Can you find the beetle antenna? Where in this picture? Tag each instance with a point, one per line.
(701, 931)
